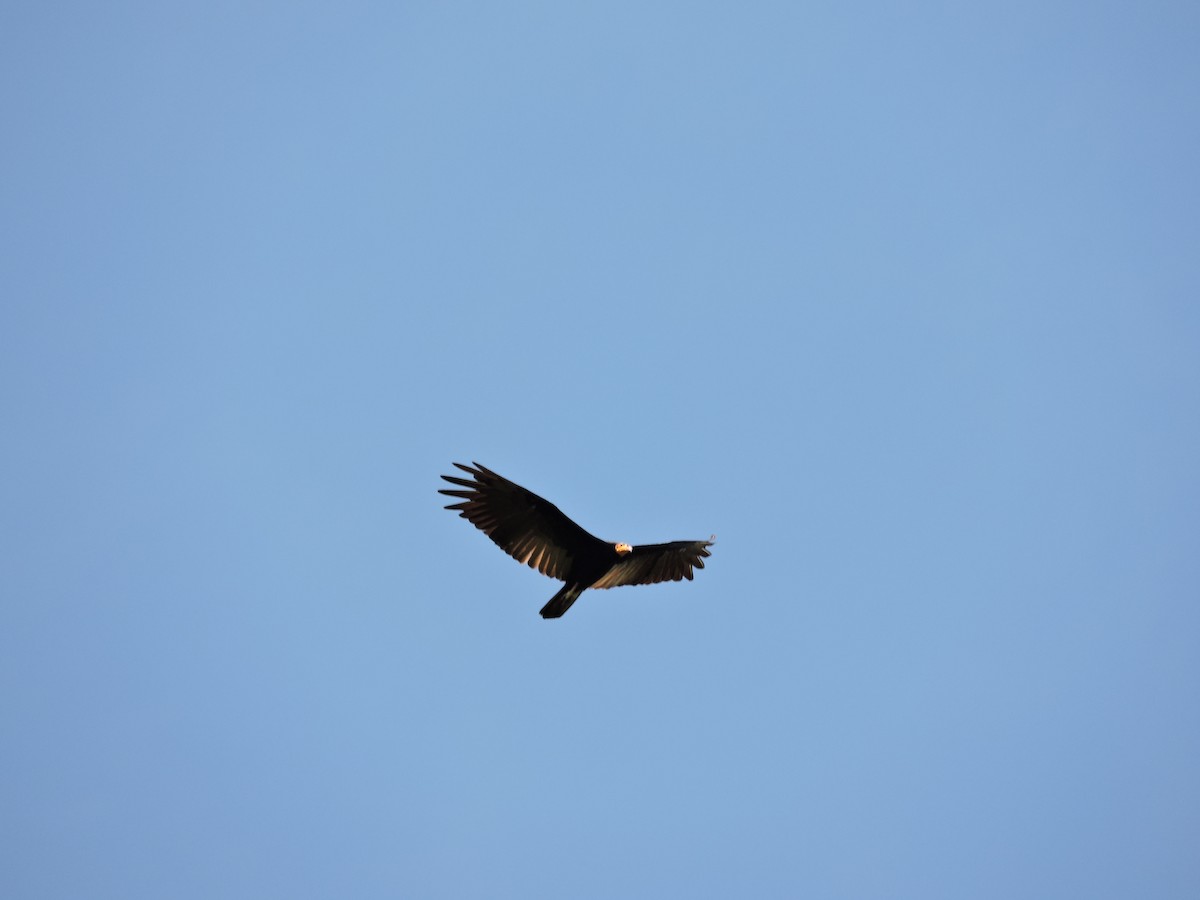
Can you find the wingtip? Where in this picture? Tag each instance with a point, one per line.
(475, 470)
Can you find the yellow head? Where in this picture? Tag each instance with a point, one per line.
(622, 549)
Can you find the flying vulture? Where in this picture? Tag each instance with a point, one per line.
(535, 532)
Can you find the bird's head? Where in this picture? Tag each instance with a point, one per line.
(622, 549)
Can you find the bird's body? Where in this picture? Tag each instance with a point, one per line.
(535, 532)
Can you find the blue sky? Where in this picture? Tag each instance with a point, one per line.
(899, 301)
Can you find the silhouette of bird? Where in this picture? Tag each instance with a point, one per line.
(535, 532)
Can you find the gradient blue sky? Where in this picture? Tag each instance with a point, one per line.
(900, 301)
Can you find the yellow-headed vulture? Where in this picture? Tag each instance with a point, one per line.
(534, 531)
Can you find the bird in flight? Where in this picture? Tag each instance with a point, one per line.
(535, 532)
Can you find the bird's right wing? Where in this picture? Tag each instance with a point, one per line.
(526, 527)
(652, 563)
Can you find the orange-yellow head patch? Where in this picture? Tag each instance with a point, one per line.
(622, 549)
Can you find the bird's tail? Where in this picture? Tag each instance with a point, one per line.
(562, 601)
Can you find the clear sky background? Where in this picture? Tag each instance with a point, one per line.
(900, 301)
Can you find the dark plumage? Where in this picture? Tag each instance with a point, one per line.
(534, 531)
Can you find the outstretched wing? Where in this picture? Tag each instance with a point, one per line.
(651, 563)
(526, 527)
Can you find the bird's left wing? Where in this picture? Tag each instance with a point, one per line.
(651, 563)
(525, 526)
